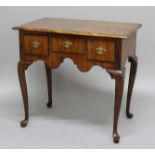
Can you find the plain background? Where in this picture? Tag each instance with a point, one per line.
(82, 114)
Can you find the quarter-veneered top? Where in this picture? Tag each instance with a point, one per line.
(81, 27)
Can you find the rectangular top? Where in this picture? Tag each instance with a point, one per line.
(81, 27)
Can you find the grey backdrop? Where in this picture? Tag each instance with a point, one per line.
(82, 114)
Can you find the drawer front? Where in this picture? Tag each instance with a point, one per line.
(101, 49)
(36, 45)
(67, 44)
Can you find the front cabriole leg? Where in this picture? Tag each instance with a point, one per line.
(22, 66)
(119, 84)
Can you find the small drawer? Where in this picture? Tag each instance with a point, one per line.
(67, 44)
(101, 49)
(36, 45)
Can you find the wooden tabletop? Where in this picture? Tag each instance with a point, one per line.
(81, 27)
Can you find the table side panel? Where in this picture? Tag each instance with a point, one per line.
(128, 48)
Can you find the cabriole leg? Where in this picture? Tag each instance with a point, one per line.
(133, 70)
(49, 85)
(119, 84)
(22, 66)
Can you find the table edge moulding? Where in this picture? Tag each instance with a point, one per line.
(87, 43)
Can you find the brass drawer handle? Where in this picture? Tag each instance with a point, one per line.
(35, 44)
(100, 50)
(67, 44)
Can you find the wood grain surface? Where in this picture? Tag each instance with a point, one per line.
(81, 27)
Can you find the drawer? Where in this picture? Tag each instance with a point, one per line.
(67, 44)
(36, 45)
(101, 49)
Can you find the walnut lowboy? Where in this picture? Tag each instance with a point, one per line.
(87, 43)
